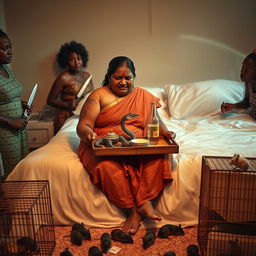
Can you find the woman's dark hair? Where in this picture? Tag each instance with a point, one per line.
(252, 55)
(3, 34)
(114, 64)
(67, 48)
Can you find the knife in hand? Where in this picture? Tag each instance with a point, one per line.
(30, 102)
(84, 86)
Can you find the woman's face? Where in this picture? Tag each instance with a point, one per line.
(122, 81)
(75, 62)
(5, 50)
(248, 71)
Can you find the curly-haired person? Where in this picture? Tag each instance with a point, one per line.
(73, 58)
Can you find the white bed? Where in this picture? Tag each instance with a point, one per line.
(192, 111)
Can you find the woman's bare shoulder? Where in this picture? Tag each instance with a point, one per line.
(86, 74)
(103, 95)
(102, 91)
(64, 76)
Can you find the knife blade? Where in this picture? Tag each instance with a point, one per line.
(30, 101)
(81, 91)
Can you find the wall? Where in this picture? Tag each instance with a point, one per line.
(2, 15)
(170, 41)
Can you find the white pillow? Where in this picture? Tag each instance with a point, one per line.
(80, 104)
(201, 98)
(159, 93)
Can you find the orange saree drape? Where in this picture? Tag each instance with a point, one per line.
(131, 180)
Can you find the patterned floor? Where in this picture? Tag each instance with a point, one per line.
(178, 244)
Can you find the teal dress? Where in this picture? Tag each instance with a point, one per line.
(13, 144)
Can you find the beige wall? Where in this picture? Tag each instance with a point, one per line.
(170, 41)
(2, 15)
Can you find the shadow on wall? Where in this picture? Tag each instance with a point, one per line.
(214, 43)
(190, 58)
(203, 58)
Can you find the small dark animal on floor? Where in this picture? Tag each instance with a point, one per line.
(148, 239)
(163, 232)
(121, 236)
(28, 245)
(76, 238)
(192, 250)
(105, 240)
(170, 230)
(176, 230)
(86, 234)
(66, 252)
(95, 251)
(170, 253)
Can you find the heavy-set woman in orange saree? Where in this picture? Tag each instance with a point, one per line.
(130, 182)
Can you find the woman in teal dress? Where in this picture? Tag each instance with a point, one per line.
(13, 133)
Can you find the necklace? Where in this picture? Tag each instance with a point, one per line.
(117, 99)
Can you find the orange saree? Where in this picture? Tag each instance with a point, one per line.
(131, 180)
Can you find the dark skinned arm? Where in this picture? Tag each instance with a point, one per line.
(245, 103)
(88, 116)
(15, 123)
(54, 99)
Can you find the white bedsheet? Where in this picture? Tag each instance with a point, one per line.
(76, 199)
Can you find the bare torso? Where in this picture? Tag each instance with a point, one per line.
(72, 84)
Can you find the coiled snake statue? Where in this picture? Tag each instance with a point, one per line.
(111, 138)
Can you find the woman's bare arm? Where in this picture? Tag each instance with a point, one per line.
(244, 103)
(55, 92)
(88, 116)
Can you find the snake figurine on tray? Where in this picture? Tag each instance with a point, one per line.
(111, 138)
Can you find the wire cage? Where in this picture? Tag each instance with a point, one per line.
(227, 211)
(26, 221)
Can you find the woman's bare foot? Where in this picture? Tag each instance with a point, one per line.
(132, 223)
(148, 211)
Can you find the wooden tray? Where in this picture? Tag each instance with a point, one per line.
(162, 146)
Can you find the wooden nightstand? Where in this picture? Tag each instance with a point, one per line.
(39, 133)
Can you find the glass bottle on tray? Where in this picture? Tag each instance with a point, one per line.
(153, 125)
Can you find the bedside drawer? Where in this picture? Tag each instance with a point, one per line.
(39, 133)
(39, 137)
